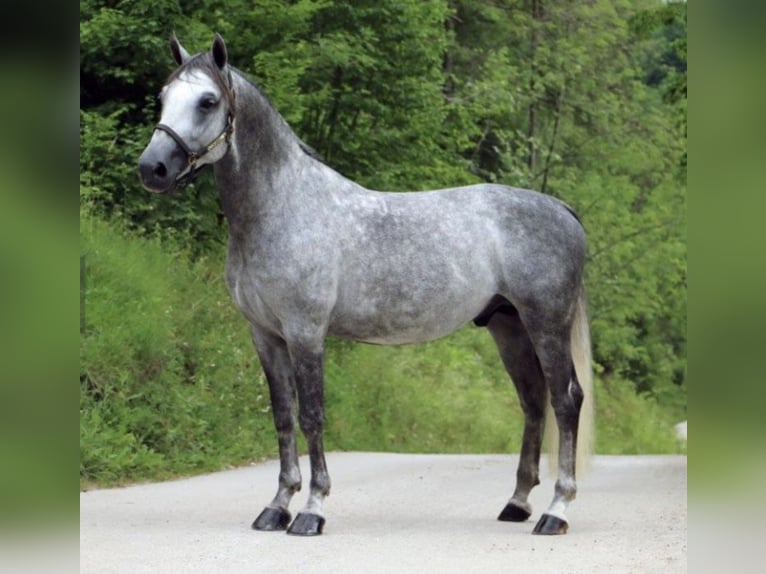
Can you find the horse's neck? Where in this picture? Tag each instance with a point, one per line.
(263, 149)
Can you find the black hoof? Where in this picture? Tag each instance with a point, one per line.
(272, 519)
(549, 524)
(306, 525)
(515, 512)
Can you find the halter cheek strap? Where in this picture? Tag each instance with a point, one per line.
(179, 140)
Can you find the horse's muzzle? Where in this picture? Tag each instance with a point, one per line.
(155, 175)
(158, 175)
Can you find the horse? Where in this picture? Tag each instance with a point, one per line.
(312, 254)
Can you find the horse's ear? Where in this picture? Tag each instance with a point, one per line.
(180, 55)
(219, 51)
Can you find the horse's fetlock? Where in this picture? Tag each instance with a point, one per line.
(566, 488)
(291, 481)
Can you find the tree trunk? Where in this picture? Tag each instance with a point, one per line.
(532, 109)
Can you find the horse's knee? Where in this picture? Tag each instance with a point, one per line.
(534, 413)
(284, 422)
(312, 424)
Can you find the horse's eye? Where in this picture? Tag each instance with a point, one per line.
(207, 103)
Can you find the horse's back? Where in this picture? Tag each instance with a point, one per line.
(504, 230)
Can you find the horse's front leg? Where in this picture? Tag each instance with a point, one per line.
(277, 367)
(308, 363)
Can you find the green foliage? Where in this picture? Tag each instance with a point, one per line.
(124, 59)
(109, 185)
(451, 395)
(630, 423)
(582, 100)
(122, 48)
(663, 29)
(376, 90)
(167, 372)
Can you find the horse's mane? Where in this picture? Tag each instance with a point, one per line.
(310, 151)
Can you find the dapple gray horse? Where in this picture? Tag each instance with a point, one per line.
(313, 254)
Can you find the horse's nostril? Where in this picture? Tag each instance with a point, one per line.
(160, 170)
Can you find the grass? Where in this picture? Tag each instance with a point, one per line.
(450, 395)
(169, 382)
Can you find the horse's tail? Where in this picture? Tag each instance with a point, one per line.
(583, 363)
(581, 357)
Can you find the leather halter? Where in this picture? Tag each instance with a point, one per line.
(192, 157)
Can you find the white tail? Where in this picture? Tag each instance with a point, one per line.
(581, 357)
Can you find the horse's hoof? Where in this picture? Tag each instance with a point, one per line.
(306, 525)
(549, 524)
(272, 519)
(515, 511)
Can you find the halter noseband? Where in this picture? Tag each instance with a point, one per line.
(192, 157)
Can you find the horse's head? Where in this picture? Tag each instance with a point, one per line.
(196, 122)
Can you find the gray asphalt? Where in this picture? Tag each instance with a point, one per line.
(394, 513)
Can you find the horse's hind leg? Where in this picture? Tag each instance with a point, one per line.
(521, 362)
(278, 370)
(553, 351)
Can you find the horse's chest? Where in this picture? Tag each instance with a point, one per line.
(247, 291)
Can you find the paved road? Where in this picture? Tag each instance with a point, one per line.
(391, 513)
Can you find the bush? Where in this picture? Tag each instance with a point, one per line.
(631, 423)
(450, 395)
(168, 380)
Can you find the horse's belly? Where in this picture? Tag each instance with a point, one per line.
(413, 299)
(403, 325)
(406, 337)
